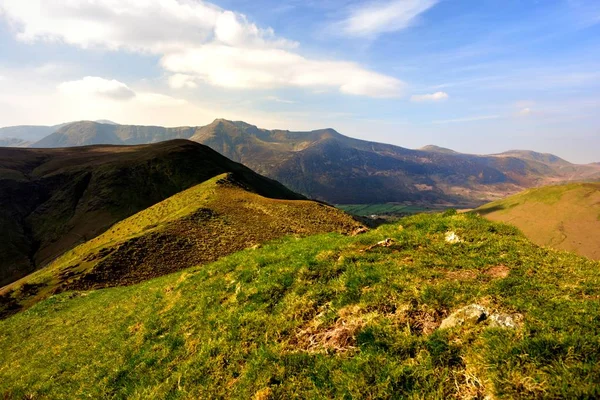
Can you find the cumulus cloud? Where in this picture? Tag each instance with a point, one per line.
(437, 96)
(269, 68)
(179, 81)
(377, 17)
(197, 42)
(95, 86)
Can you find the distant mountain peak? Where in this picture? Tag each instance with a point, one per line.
(534, 156)
(106, 122)
(437, 149)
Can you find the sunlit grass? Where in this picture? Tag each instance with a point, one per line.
(320, 317)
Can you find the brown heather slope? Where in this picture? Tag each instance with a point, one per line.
(54, 199)
(565, 217)
(194, 227)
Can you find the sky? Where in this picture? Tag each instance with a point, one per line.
(477, 76)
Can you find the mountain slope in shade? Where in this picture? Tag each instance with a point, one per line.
(565, 217)
(193, 227)
(326, 165)
(54, 199)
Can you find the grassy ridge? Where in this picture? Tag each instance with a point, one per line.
(196, 226)
(565, 217)
(326, 316)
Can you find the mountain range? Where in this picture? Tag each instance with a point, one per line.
(329, 166)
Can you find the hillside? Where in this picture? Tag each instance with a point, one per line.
(193, 227)
(53, 199)
(565, 217)
(328, 316)
(329, 166)
(437, 149)
(88, 133)
(27, 133)
(13, 142)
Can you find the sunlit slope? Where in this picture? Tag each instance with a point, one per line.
(328, 316)
(565, 217)
(199, 225)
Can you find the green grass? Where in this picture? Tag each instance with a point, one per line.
(321, 318)
(381, 209)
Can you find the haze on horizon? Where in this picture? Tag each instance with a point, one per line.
(477, 76)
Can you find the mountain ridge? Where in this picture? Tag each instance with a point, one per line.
(53, 199)
(326, 165)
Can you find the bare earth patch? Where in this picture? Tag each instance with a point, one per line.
(462, 275)
(498, 272)
(315, 337)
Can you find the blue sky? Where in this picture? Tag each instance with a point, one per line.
(478, 76)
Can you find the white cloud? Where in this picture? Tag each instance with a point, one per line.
(525, 112)
(376, 17)
(95, 86)
(269, 68)
(437, 96)
(197, 42)
(159, 100)
(467, 119)
(279, 100)
(179, 81)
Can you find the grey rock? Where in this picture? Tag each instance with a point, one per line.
(471, 314)
(505, 321)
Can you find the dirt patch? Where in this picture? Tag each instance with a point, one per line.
(423, 322)
(462, 275)
(498, 272)
(316, 337)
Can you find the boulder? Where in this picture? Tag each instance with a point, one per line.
(471, 314)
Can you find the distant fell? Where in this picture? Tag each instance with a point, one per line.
(53, 199)
(329, 166)
(535, 156)
(565, 217)
(437, 149)
(86, 133)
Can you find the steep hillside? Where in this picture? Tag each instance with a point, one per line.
(328, 316)
(196, 226)
(54, 199)
(565, 217)
(326, 165)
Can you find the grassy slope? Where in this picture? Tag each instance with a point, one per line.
(54, 199)
(319, 318)
(565, 217)
(193, 227)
